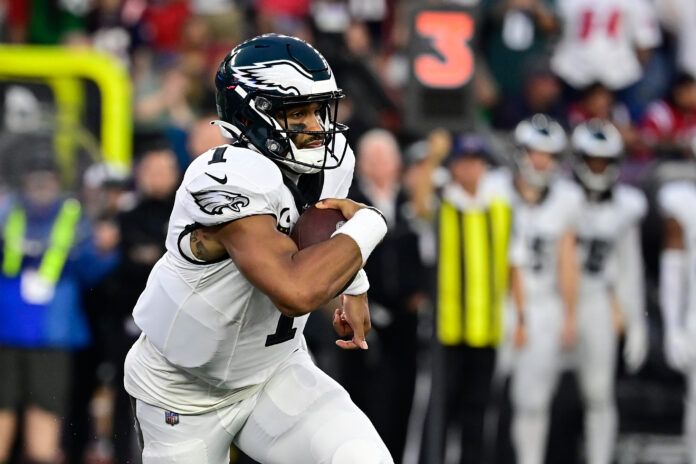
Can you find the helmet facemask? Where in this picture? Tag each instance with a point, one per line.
(598, 182)
(540, 134)
(310, 159)
(595, 140)
(536, 178)
(262, 121)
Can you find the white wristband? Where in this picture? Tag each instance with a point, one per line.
(367, 227)
(359, 285)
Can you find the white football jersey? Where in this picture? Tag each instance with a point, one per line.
(609, 252)
(599, 40)
(541, 226)
(604, 224)
(206, 321)
(678, 200)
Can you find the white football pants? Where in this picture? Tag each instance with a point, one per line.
(535, 375)
(300, 415)
(596, 358)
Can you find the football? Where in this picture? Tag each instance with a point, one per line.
(316, 225)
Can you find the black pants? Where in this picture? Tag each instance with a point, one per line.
(460, 396)
(381, 381)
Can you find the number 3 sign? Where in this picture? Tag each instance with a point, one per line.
(451, 63)
(442, 65)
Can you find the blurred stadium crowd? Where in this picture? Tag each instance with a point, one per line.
(629, 63)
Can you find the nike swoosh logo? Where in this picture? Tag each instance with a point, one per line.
(222, 180)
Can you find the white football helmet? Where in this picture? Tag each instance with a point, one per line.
(597, 138)
(538, 133)
(268, 75)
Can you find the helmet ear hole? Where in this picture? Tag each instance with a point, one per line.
(262, 104)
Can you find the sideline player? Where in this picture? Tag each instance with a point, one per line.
(222, 358)
(678, 292)
(546, 210)
(611, 295)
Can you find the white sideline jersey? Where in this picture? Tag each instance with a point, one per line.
(541, 227)
(678, 200)
(208, 335)
(609, 253)
(599, 39)
(604, 225)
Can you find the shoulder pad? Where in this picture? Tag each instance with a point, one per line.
(221, 186)
(498, 183)
(570, 200)
(676, 199)
(632, 201)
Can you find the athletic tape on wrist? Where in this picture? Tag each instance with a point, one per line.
(359, 285)
(367, 228)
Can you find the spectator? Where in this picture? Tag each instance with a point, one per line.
(396, 296)
(164, 101)
(224, 19)
(605, 41)
(282, 17)
(669, 125)
(204, 136)
(44, 22)
(162, 23)
(514, 33)
(679, 18)
(597, 101)
(48, 254)
(541, 93)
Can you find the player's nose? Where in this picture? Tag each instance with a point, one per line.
(312, 123)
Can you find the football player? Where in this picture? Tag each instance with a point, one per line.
(678, 291)
(611, 296)
(222, 358)
(546, 212)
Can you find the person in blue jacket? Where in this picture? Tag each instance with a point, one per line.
(48, 255)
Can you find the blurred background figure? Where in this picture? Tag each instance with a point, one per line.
(49, 253)
(516, 35)
(678, 292)
(546, 208)
(204, 136)
(541, 92)
(473, 219)
(679, 18)
(606, 42)
(611, 297)
(669, 125)
(397, 294)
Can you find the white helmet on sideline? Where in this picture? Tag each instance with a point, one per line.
(597, 138)
(539, 133)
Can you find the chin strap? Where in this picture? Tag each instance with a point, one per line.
(228, 130)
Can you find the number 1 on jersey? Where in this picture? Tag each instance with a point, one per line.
(284, 331)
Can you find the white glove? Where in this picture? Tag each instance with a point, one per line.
(680, 349)
(636, 347)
